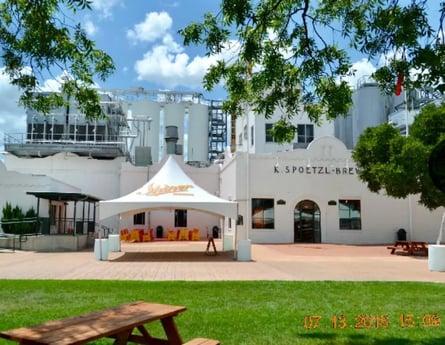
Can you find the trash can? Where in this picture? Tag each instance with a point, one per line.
(401, 235)
(159, 231)
(215, 232)
(101, 248)
(114, 243)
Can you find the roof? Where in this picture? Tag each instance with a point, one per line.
(170, 188)
(64, 196)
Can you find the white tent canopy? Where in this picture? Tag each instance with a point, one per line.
(169, 188)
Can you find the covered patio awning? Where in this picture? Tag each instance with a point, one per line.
(78, 223)
(170, 188)
(64, 196)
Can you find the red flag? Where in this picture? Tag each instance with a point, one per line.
(399, 83)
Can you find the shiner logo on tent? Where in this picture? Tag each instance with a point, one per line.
(154, 189)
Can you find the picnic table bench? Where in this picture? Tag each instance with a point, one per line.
(409, 247)
(117, 323)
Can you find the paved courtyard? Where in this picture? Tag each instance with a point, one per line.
(187, 261)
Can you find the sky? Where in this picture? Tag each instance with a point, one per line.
(142, 38)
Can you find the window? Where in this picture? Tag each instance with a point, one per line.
(349, 214)
(240, 139)
(269, 138)
(252, 132)
(305, 133)
(139, 218)
(263, 214)
(180, 218)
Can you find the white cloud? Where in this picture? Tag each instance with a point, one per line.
(172, 68)
(159, 65)
(155, 26)
(54, 85)
(169, 66)
(105, 7)
(167, 63)
(51, 85)
(170, 43)
(89, 27)
(12, 117)
(360, 70)
(385, 59)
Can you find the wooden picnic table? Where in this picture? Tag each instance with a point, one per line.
(118, 323)
(409, 247)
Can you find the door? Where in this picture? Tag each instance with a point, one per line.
(307, 222)
(57, 218)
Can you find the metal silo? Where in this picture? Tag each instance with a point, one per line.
(369, 108)
(145, 122)
(198, 133)
(174, 114)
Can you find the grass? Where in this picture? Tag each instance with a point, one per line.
(250, 313)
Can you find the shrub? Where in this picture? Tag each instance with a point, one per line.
(31, 224)
(16, 221)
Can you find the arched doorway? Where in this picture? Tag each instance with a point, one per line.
(307, 222)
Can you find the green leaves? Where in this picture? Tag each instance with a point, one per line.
(283, 131)
(399, 165)
(37, 42)
(289, 53)
(236, 11)
(282, 62)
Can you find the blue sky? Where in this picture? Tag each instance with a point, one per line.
(141, 37)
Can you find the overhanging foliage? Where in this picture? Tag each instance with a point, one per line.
(294, 54)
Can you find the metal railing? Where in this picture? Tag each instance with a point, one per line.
(8, 241)
(38, 138)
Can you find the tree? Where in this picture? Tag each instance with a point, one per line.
(14, 215)
(38, 38)
(398, 164)
(15, 222)
(290, 55)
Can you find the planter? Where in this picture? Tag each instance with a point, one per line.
(101, 249)
(244, 250)
(114, 243)
(436, 257)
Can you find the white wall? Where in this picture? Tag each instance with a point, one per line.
(15, 185)
(324, 172)
(92, 176)
(98, 178)
(259, 122)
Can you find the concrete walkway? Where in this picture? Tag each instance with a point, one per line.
(164, 260)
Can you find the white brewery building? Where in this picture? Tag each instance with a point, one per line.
(306, 191)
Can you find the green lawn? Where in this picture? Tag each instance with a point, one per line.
(250, 313)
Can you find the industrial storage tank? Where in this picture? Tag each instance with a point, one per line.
(174, 114)
(343, 130)
(145, 122)
(369, 108)
(198, 133)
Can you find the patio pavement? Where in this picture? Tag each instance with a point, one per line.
(176, 260)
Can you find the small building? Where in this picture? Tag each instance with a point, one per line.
(314, 195)
(60, 210)
(306, 191)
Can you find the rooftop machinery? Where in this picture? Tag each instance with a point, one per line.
(134, 127)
